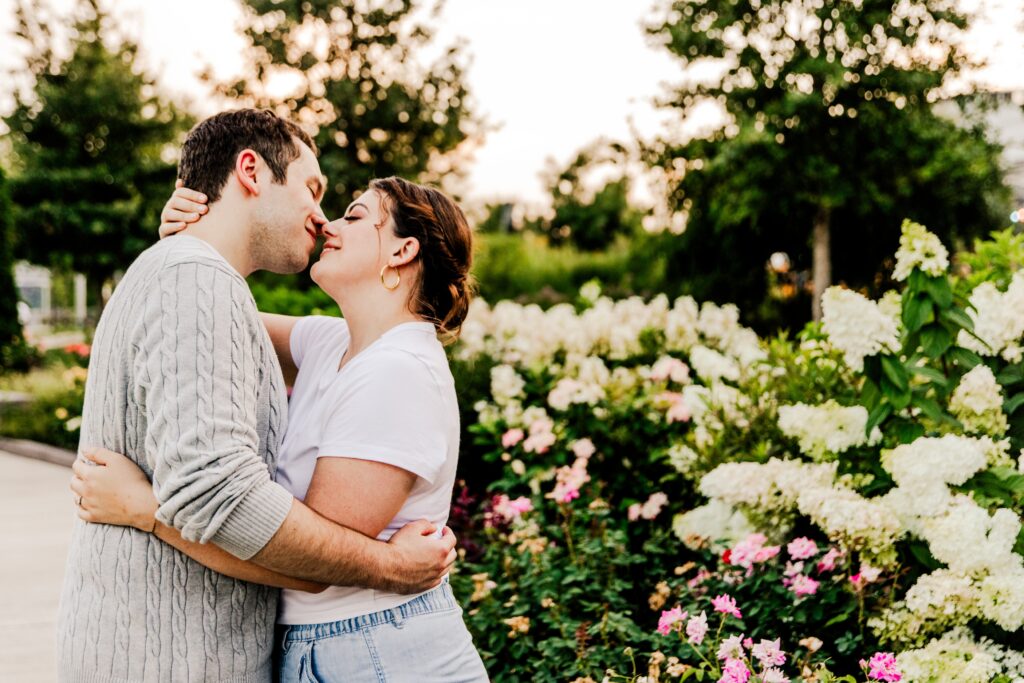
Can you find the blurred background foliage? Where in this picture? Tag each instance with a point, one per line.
(826, 141)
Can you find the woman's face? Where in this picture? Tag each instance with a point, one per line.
(356, 246)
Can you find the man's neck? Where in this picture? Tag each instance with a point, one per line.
(226, 236)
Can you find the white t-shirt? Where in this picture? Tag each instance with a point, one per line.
(395, 403)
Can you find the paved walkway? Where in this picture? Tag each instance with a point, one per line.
(36, 518)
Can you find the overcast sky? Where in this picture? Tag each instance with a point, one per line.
(552, 74)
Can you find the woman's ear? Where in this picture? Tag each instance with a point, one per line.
(407, 251)
(246, 165)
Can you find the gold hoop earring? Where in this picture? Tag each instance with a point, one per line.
(383, 282)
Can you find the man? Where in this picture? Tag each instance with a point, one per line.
(184, 380)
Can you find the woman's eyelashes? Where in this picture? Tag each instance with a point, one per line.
(351, 218)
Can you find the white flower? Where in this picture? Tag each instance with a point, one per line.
(919, 249)
(716, 523)
(957, 657)
(978, 402)
(682, 457)
(711, 365)
(506, 384)
(857, 326)
(826, 429)
(923, 469)
(998, 320)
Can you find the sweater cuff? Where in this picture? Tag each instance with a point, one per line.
(254, 521)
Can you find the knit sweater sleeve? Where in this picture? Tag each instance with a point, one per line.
(201, 352)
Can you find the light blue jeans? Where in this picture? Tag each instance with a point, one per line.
(424, 640)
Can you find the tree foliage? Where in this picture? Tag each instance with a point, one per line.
(830, 119)
(11, 339)
(350, 72)
(589, 219)
(93, 147)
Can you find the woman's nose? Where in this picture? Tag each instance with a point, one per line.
(330, 229)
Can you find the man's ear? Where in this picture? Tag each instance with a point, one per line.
(246, 164)
(406, 252)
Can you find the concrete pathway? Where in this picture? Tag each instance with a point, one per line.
(36, 518)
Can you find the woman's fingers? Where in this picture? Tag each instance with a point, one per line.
(179, 183)
(179, 216)
(189, 195)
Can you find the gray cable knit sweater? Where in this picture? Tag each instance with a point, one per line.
(183, 379)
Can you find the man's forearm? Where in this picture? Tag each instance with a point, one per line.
(311, 547)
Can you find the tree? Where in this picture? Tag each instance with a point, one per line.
(354, 81)
(589, 219)
(93, 145)
(831, 139)
(11, 339)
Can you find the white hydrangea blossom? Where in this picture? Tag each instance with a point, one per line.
(827, 429)
(715, 523)
(922, 249)
(682, 458)
(506, 384)
(712, 366)
(978, 402)
(924, 468)
(957, 657)
(857, 326)
(998, 320)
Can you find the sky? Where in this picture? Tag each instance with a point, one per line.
(550, 75)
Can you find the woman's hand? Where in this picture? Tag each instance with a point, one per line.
(185, 206)
(111, 489)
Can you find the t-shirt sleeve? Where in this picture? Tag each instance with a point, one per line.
(312, 332)
(390, 410)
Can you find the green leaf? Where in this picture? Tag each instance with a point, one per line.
(964, 357)
(896, 372)
(935, 340)
(939, 290)
(930, 407)
(936, 376)
(876, 416)
(958, 318)
(1011, 405)
(917, 312)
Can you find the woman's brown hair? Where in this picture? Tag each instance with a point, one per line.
(445, 286)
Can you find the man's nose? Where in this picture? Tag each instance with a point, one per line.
(319, 220)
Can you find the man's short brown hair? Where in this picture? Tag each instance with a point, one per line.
(209, 153)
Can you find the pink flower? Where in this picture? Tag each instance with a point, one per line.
(866, 575)
(882, 667)
(802, 548)
(774, 675)
(726, 604)
(678, 412)
(769, 652)
(748, 643)
(669, 618)
(828, 562)
(633, 513)
(734, 671)
(652, 507)
(697, 628)
(803, 585)
(751, 551)
(670, 367)
(793, 568)
(511, 438)
(731, 648)
(583, 448)
(511, 509)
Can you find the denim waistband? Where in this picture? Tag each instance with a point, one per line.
(439, 599)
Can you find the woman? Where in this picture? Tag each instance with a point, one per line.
(372, 440)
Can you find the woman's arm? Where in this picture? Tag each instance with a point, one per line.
(279, 327)
(115, 491)
(360, 494)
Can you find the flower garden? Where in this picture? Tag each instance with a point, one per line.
(654, 493)
(674, 498)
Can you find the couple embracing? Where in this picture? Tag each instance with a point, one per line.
(231, 534)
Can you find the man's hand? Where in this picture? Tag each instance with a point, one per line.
(420, 560)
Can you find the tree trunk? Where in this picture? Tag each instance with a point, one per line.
(822, 259)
